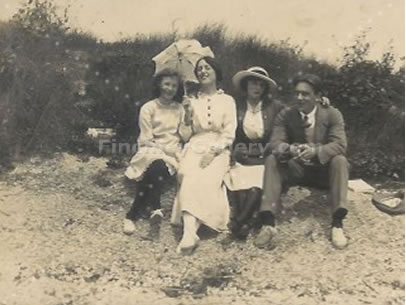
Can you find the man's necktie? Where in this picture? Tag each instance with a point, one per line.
(306, 123)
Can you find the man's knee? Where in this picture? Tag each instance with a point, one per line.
(339, 162)
(271, 161)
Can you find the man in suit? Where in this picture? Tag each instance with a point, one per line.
(309, 145)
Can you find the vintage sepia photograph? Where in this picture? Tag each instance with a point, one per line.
(217, 152)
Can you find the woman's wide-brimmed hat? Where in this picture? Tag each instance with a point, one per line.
(256, 72)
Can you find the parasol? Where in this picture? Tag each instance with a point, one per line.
(182, 56)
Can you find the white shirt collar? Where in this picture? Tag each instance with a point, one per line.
(255, 108)
(311, 115)
(171, 104)
(219, 91)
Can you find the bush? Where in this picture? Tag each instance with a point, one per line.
(56, 82)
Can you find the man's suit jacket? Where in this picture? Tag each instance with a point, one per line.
(270, 109)
(329, 132)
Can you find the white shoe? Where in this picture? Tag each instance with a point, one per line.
(128, 226)
(187, 245)
(338, 238)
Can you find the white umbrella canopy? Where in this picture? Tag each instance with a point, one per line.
(182, 56)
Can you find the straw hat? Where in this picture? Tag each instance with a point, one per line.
(256, 72)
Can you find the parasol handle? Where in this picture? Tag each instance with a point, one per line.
(188, 110)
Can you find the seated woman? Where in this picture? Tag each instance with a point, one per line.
(202, 197)
(159, 146)
(256, 114)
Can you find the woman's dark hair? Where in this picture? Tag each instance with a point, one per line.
(313, 80)
(212, 63)
(167, 72)
(244, 84)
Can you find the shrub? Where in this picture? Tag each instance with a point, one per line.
(56, 82)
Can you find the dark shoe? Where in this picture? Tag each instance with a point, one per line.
(227, 239)
(243, 232)
(145, 213)
(265, 236)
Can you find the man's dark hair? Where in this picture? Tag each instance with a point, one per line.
(311, 79)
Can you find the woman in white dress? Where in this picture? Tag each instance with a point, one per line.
(159, 147)
(202, 197)
(256, 113)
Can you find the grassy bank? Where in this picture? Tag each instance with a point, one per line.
(56, 82)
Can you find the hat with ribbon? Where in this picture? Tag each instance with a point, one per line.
(255, 72)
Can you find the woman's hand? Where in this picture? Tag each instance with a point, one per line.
(188, 110)
(324, 101)
(178, 156)
(170, 150)
(207, 159)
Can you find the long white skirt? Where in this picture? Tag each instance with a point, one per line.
(202, 192)
(243, 177)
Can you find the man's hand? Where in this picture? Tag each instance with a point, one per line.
(207, 159)
(294, 150)
(307, 152)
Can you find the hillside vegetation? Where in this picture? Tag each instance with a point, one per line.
(56, 82)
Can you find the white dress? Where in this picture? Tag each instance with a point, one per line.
(161, 127)
(243, 177)
(202, 192)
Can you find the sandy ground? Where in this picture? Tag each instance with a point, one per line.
(61, 244)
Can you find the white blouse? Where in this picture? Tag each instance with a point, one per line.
(253, 124)
(159, 139)
(161, 125)
(214, 114)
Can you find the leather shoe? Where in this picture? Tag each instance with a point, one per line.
(265, 236)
